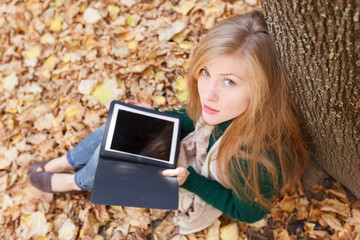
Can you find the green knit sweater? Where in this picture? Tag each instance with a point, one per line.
(212, 192)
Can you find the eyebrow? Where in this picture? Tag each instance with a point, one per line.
(230, 74)
(225, 74)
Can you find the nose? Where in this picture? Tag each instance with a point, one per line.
(211, 92)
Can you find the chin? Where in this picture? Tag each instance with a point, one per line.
(210, 121)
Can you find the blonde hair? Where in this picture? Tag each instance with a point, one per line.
(269, 126)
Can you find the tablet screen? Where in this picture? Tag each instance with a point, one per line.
(140, 133)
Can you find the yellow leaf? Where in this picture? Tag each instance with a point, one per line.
(159, 100)
(71, 111)
(27, 219)
(113, 10)
(50, 62)
(213, 232)
(10, 122)
(131, 21)
(184, 7)
(16, 139)
(159, 74)
(57, 3)
(186, 46)
(186, 64)
(229, 231)
(56, 25)
(34, 53)
(213, 9)
(181, 83)
(183, 96)
(106, 91)
(122, 85)
(180, 37)
(132, 45)
(116, 208)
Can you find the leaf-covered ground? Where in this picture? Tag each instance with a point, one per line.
(63, 61)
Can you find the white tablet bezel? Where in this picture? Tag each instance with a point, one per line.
(146, 112)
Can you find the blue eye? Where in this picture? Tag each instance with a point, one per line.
(204, 72)
(229, 82)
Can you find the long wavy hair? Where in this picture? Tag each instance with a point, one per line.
(269, 125)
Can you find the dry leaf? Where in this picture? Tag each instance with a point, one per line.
(167, 30)
(10, 82)
(91, 15)
(229, 232)
(67, 230)
(354, 220)
(332, 221)
(334, 205)
(113, 10)
(213, 232)
(37, 224)
(184, 7)
(86, 86)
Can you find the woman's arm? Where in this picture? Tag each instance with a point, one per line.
(224, 199)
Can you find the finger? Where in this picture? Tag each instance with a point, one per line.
(170, 172)
(133, 102)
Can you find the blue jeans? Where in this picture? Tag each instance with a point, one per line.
(85, 157)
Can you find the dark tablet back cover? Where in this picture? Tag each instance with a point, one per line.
(126, 181)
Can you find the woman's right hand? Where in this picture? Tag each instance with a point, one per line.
(136, 103)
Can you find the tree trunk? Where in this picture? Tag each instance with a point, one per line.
(319, 42)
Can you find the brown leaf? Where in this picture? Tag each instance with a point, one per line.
(334, 205)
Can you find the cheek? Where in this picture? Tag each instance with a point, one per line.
(243, 101)
(200, 87)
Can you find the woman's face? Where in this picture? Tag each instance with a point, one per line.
(224, 89)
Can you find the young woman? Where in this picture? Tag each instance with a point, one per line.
(244, 142)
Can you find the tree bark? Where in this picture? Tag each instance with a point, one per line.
(319, 42)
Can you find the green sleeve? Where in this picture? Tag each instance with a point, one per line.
(224, 199)
(187, 123)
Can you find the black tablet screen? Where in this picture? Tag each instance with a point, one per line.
(142, 135)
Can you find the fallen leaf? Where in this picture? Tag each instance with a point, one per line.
(10, 82)
(159, 100)
(332, 221)
(184, 7)
(167, 30)
(229, 232)
(107, 91)
(86, 86)
(113, 10)
(47, 38)
(67, 230)
(334, 205)
(37, 224)
(213, 232)
(354, 220)
(139, 217)
(91, 15)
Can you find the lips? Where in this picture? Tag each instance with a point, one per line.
(209, 110)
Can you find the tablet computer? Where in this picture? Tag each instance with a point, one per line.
(138, 144)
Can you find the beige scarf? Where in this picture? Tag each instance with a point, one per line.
(194, 214)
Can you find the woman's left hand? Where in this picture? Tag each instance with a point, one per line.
(180, 172)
